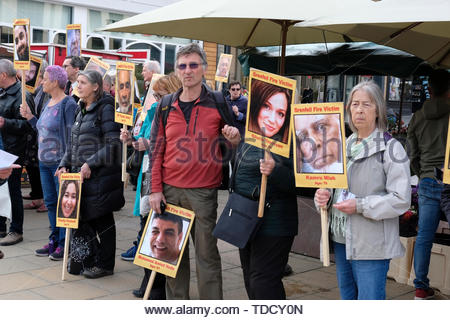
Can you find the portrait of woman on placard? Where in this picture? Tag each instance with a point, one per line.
(269, 110)
(68, 201)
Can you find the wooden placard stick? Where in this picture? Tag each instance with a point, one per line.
(124, 158)
(23, 88)
(149, 285)
(262, 194)
(325, 243)
(66, 253)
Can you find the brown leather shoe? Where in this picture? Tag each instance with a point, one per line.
(11, 238)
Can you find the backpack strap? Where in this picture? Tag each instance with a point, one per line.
(222, 107)
(165, 107)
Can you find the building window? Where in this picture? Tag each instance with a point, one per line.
(115, 44)
(6, 34)
(96, 43)
(60, 38)
(169, 64)
(40, 36)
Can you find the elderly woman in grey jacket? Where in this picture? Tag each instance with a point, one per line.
(363, 219)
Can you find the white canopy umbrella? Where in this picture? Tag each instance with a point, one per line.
(419, 27)
(237, 23)
(416, 26)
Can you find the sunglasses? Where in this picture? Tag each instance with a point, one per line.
(192, 65)
(235, 89)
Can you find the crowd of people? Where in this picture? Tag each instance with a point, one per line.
(175, 141)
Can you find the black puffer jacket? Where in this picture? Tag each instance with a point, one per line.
(280, 218)
(16, 131)
(95, 140)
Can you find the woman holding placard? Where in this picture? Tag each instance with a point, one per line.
(364, 219)
(53, 128)
(94, 151)
(264, 257)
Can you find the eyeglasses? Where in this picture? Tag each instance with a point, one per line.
(235, 89)
(157, 96)
(192, 65)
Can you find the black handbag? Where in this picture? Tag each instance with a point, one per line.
(134, 162)
(239, 220)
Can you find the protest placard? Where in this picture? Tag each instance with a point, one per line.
(164, 239)
(319, 145)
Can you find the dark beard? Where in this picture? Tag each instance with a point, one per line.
(25, 56)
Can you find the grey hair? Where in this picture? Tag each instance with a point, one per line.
(190, 49)
(94, 77)
(44, 66)
(376, 96)
(153, 66)
(7, 67)
(108, 79)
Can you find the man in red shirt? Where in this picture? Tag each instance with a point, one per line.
(186, 169)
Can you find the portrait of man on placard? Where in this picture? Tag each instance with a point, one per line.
(74, 42)
(21, 42)
(123, 92)
(31, 75)
(223, 67)
(319, 143)
(164, 237)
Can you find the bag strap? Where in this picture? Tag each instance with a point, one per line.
(222, 107)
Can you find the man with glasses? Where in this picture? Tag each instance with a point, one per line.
(238, 103)
(186, 168)
(72, 65)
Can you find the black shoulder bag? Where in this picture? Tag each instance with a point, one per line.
(239, 220)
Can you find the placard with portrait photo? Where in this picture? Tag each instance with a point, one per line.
(163, 240)
(269, 112)
(124, 98)
(319, 145)
(446, 176)
(97, 65)
(32, 74)
(73, 36)
(68, 210)
(21, 33)
(223, 67)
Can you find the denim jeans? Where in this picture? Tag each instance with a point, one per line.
(360, 279)
(429, 215)
(50, 186)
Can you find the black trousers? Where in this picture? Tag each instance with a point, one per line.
(158, 291)
(15, 192)
(35, 182)
(263, 261)
(105, 228)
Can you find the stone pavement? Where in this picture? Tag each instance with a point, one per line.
(25, 276)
